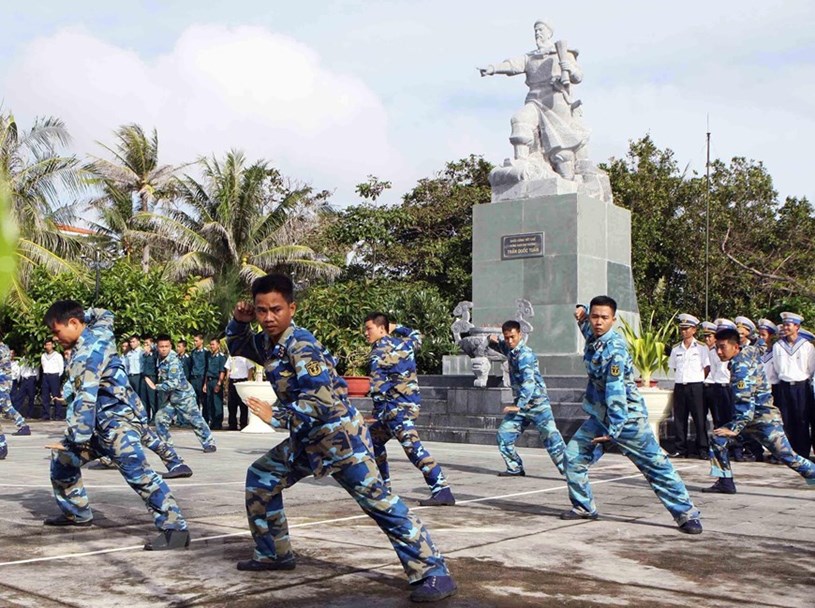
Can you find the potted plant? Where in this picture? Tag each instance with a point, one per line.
(647, 347)
(355, 363)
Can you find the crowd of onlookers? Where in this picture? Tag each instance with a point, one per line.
(702, 382)
(37, 387)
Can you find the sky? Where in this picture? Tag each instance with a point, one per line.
(333, 91)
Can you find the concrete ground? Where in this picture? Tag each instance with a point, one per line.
(503, 541)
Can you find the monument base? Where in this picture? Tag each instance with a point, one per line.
(550, 365)
(555, 251)
(594, 184)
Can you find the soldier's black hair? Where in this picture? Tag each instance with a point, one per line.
(47, 340)
(380, 319)
(510, 325)
(277, 283)
(603, 301)
(729, 334)
(164, 338)
(182, 341)
(63, 311)
(147, 336)
(137, 336)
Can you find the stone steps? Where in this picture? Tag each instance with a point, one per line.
(453, 410)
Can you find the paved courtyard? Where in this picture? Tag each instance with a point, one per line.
(504, 541)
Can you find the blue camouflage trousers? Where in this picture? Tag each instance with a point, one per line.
(398, 422)
(637, 442)
(276, 470)
(769, 434)
(2, 438)
(121, 442)
(8, 409)
(186, 411)
(152, 442)
(515, 423)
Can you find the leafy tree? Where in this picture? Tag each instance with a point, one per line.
(335, 315)
(37, 176)
(759, 251)
(649, 183)
(428, 238)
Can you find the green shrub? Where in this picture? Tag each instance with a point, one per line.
(142, 302)
(335, 315)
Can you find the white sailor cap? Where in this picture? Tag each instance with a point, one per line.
(722, 323)
(806, 334)
(686, 320)
(746, 323)
(791, 317)
(768, 325)
(708, 327)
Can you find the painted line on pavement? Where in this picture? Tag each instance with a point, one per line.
(319, 522)
(180, 483)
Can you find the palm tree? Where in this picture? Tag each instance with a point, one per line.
(38, 176)
(133, 175)
(235, 225)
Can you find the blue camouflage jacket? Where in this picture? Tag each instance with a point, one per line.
(752, 397)
(323, 425)
(392, 367)
(172, 380)
(528, 387)
(5, 368)
(611, 397)
(96, 373)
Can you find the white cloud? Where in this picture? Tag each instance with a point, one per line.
(218, 88)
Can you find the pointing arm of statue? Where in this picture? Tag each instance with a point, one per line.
(509, 67)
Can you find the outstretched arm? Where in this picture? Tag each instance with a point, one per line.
(509, 67)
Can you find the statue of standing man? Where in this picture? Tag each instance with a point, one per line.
(548, 134)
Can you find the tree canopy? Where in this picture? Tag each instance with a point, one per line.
(201, 237)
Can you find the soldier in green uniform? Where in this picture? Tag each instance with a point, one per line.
(214, 386)
(149, 370)
(198, 369)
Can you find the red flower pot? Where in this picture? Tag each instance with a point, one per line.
(358, 386)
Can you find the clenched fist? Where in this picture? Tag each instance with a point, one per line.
(244, 312)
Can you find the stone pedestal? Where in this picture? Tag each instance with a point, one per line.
(584, 250)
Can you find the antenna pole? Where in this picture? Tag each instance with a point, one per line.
(707, 224)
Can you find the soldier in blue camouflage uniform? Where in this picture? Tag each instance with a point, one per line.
(179, 397)
(327, 436)
(755, 416)
(149, 439)
(617, 414)
(531, 403)
(5, 397)
(106, 420)
(396, 398)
